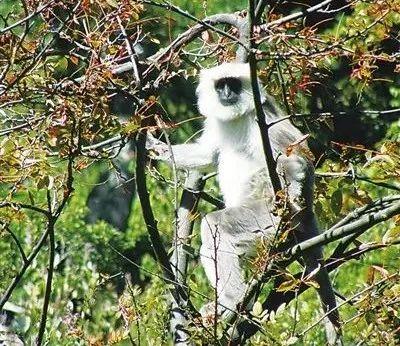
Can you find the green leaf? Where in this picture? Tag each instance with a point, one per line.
(289, 285)
(391, 235)
(337, 201)
(257, 309)
(61, 65)
(31, 199)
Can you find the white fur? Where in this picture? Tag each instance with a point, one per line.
(240, 155)
(208, 102)
(231, 139)
(233, 131)
(232, 135)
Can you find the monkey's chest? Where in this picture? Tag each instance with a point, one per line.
(242, 178)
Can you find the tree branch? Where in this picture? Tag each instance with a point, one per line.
(188, 36)
(27, 18)
(16, 240)
(17, 278)
(247, 328)
(296, 15)
(178, 293)
(271, 163)
(361, 225)
(50, 272)
(350, 175)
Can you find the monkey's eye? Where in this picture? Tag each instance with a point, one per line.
(230, 84)
(228, 90)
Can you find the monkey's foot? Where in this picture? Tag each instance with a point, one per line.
(209, 313)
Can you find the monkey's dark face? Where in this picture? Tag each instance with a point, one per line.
(228, 90)
(224, 92)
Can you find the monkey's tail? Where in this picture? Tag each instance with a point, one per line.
(313, 259)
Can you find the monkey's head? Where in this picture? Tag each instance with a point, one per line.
(225, 92)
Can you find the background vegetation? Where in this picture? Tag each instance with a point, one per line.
(76, 269)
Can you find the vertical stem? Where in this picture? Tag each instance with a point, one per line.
(50, 272)
(215, 325)
(271, 163)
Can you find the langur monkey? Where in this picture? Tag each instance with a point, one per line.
(231, 141)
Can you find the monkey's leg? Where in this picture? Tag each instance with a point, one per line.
(226, 235)
(298, 178)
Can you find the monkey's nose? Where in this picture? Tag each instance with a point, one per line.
(227, 91)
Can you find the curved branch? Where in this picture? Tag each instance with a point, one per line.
(39, 10)
(189, 35)
(17, 278)
(178, 292)
(297, 15)
(264, 127)
(364, 223)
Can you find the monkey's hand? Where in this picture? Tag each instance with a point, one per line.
(184, 156)
(157, 149)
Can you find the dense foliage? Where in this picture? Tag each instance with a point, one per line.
(68, 112)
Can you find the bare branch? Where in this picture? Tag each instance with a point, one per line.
(297, 15)
(350, 175)
(24, 125)
(132, 55)
(271, 163)
(178, 293)
(50, 272)
(361, 225)
(188, 36)
(23, 206)
(17, 278)
(207, 23)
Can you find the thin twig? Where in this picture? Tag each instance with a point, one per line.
(132, 55)
(16, 205)
(17, 278)
(27, 18)
(351, 175)
(16, 240)
(52, 219)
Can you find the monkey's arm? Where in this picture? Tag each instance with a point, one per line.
(198, 155)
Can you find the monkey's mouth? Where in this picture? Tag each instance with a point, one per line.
(228, 102)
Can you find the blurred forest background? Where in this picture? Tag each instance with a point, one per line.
(68, 121)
